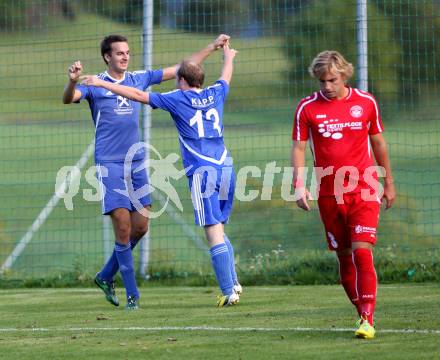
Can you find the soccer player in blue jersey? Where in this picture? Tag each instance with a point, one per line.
(198, 114)
(116, 129)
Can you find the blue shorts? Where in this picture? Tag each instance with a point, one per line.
(121, 191)
(212, 194)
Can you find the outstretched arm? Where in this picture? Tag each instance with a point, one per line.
(228, 63)
(71, 94)
(380, 151)
(198, 57)
(125, 91)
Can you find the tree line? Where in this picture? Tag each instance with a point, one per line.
(402, 36)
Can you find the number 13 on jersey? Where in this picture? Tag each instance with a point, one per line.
(211, 116)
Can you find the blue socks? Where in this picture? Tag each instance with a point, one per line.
(222, 256)
(111, 267)
(231, 259)
(124, 257)
(221, 264)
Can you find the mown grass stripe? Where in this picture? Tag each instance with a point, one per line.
(212, 328)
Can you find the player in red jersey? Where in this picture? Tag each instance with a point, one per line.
(344, 129)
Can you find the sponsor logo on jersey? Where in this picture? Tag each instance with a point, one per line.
(321, 116)
(333, 128)
(356, 111)
(123, 106)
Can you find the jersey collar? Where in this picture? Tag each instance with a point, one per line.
(113, 79)
(350, 91)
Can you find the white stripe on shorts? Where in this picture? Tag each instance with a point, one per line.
(101, 185)
(199, 190)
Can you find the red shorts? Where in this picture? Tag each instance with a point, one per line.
(354, 220)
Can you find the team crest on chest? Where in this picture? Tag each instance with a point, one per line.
(356, 111)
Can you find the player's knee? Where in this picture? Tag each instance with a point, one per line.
(122, 232)
(121, 225)
(139, 231)
(362, 245)
(343, 253)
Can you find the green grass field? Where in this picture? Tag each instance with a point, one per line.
(290, 322)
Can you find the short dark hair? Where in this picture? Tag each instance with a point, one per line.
(106, 44)
(192, 72)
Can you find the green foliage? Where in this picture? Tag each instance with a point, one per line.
(254, 17)
(208, 16)
(74, 278)
(311, 267)
(21, 15)
(416, 28)
(273, 14)
(331, 25)
(123, 11)
(275, 267)
(13, 15)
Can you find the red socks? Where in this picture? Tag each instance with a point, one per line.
(366, 282)
(347, 274)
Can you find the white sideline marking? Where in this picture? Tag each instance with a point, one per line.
(44, 214)
(210, 328)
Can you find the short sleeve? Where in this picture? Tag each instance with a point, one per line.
(300, 130)
(148, 77)
(224, 87)
(374, 119)
(85, 91)
(166, 101)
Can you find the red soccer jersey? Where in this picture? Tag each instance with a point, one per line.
(338, 132)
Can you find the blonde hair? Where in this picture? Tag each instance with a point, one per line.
(330, 60)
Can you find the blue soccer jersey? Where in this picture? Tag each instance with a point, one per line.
(198, 119)
(116, 118)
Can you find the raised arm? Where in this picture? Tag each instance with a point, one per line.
(125, 91)
(380, 151)
(298, 158)
(198, 57)
(71, 94)
(228, 63)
